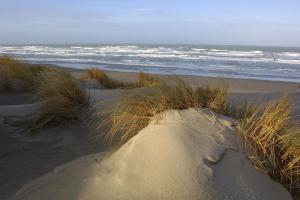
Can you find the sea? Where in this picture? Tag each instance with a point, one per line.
(247, 62)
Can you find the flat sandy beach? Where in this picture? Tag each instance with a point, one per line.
(241, 89)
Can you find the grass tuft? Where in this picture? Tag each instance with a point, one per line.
(64, 98)
(12, 69)
(126, 117)
(268, 131)
(95, 73)
(105, 81)
(145, 80)
(273, 141)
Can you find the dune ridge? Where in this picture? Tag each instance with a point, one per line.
(188, 154)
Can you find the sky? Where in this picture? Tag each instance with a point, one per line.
(229, 22)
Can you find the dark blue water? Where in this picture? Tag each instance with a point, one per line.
(267, 63)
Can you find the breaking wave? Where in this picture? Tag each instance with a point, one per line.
(242, 62)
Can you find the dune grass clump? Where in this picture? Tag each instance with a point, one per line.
(12, 69)
(271, 138)
(63, 96)
(267, 130)
(218, 99)
(126, 117)
(145, 80)
(105, 81)
(273, 141)
(290, 146)
(95, 73)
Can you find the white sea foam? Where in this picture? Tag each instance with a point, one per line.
(289, 54)
(217, 50)
(181, 59)
(284, 70)
(199, 49)
(293, 62)
(237, 53)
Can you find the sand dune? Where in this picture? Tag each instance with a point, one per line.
(182, 155)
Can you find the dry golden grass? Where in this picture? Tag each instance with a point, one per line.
(11, 69)
(124, 118)
(267, 130)
(105, 81)
(64, 98)
(219, 100)
(95, 73)
(273, 141)
(290, 147)
(145, 80)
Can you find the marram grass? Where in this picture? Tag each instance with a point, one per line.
(12, 69)
(62, 95)
(123, 119)
(267, 130)
(105, 80)
(144, 80)
(64, 98)
(273, 141)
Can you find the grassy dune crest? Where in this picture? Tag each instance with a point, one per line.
(126, 117)
(64, 97)
(271, 138)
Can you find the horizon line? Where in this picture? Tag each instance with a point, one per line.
(140, 44)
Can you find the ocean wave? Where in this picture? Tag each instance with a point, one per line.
(293, 62)
(123, 49)
(289, 54)
(148, 53)
(199, 49)
(187, 59)
(237, 53)
(218, 50)
(284, 70)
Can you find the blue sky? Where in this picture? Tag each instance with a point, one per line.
(249, 22)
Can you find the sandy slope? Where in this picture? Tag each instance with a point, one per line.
(183, 155)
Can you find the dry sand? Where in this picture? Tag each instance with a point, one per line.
(183, 155)
(24, 157)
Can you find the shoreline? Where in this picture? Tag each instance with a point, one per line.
(236, 84)
(73, 68)
(241, 90)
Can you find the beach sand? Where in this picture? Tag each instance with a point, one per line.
(189, 154)
(251, 90)
(25, 157)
